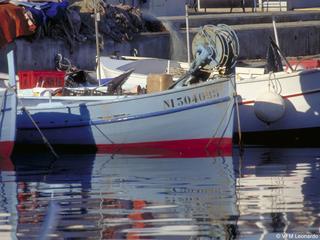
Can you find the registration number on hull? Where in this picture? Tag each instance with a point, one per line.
(191, 99)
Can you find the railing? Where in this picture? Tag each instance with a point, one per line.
(204, 4)
(263, 5)
(279, 5)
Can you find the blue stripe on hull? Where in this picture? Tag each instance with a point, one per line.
(129, 118)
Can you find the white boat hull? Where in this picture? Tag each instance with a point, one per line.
(301, 94)
(300, 90)
(8, 113)
(7, 122)
(191, 117)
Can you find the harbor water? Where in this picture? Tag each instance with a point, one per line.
(261, 194)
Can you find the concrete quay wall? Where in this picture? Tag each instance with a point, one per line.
(241, 18)
(39, 55)
(296, 39)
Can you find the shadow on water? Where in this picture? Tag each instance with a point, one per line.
(265, 192)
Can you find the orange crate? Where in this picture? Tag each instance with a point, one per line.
(47, 79)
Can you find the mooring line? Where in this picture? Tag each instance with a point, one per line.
(238, 121)
(45, 140)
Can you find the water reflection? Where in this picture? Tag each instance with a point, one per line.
(278, 192)
(257, 195)
(123, 197)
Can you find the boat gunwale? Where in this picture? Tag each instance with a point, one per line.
(126, 99)
(134, 117)
(293, 95)
(281, 76)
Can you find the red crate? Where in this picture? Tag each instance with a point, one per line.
(47, 79)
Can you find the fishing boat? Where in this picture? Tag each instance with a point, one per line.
(8, 111)
(194, 116)
(193, 113)
(275, 108)
(280, 108)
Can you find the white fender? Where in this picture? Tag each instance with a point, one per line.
(269, 107)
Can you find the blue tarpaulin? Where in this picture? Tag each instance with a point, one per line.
(41, 13)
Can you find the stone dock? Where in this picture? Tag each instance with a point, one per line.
(298, 31)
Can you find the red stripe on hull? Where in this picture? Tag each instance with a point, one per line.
(173, 149)
(5, 153)
(286, 97)
(6, 149)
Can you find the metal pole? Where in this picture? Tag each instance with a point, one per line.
(260, 5)
(96, 20)
(11, 68)
(275, 32)
(278, 46)
(168, 67)
(280, 5)
(188, 36)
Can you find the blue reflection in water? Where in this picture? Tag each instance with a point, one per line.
(119, 197)
(257, 195)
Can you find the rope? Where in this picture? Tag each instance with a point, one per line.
(3, 102)
(229, 45)
(2, 109)
(219, 125)
(238, 114)
(235, 95)
(275, 83)
(45, 140)
(60, 66)
(238, 121)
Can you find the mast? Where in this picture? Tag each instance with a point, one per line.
(275, 32)
(188, 34)
(96, 20)
(11, 68)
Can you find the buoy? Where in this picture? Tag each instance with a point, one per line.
(269, 107)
